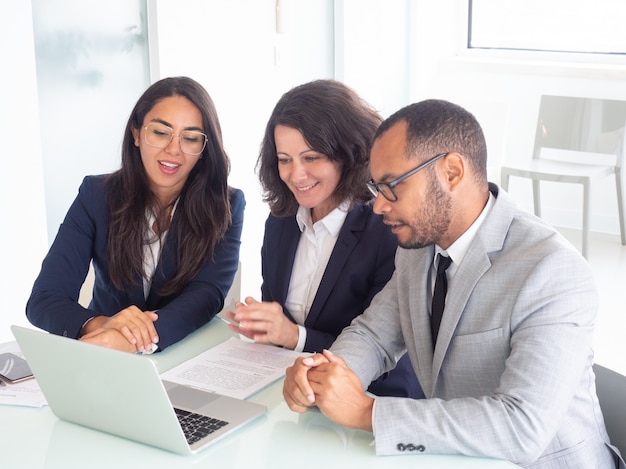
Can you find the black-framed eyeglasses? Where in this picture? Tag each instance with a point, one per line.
(191, 142)
(386, 188)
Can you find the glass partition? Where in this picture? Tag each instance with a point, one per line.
(92, 65)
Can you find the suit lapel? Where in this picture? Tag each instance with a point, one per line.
(489, 238)
(165, 269)
(136, 297)
(474, 265)
(346, 241)
(418, 301)
(285, 240)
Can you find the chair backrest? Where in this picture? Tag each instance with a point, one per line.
(590, 125)
(611, 391)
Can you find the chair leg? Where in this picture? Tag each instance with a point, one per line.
(504, 180)
(586, 212)
(620, 205)
(537, 197)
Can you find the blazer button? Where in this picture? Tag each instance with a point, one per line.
(419, 448)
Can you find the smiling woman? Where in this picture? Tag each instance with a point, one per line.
(163, 232)
(325, 254)
(164, 158)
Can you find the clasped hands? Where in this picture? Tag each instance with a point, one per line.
(326, 381)
(130, 330)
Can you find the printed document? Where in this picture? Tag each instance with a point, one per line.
(234, 368)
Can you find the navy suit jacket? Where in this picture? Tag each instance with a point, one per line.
(82, 238)
(361, 263)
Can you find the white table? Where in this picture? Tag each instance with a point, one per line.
(34, 438)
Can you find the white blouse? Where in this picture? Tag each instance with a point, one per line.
(152, 249)
(312, 255)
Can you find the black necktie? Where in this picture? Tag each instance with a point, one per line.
(439, 295)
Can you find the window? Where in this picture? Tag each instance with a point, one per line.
(574, 26)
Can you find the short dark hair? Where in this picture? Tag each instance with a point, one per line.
(436, 126)
(334, 121)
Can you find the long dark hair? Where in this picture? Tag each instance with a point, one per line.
(334, 121)
(203, 211)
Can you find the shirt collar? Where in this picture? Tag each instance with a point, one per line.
(458, 249)
(332, 222)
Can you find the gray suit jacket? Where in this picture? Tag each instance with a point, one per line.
(511, 376)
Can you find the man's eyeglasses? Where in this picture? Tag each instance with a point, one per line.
(386, 188)
(191, 142)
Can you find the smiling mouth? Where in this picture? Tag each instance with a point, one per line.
(305, 188)
(169, 165)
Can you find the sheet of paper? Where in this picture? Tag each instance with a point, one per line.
(27, 393)
(234, 368)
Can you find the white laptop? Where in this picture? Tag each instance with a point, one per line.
(122, 394)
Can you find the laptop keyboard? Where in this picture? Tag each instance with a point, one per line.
(196, 426)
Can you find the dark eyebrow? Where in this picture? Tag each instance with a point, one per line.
(161, 121)
(386, 177)
(302, 153)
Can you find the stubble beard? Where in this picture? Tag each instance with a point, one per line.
(432, 221)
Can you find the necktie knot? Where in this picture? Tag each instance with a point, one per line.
(443, 262)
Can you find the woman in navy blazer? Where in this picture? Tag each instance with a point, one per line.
(163, 232)
(325, 253)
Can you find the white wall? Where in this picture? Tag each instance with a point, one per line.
(372, 50)
(23, 234)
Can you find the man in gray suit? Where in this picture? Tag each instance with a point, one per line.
(509, 373)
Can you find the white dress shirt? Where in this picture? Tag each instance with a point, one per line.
(314, 249)
(458, 249)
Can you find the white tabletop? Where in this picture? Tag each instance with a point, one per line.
(34, 438)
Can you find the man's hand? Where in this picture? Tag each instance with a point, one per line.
(326, 381)
(340, 395)
(297, 391)
(136, 326)
(264, 322)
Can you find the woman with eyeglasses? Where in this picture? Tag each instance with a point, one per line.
(325, 253)
(162, 232)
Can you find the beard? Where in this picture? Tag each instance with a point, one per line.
(433, 218)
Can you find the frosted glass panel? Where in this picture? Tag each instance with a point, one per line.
(92, 65)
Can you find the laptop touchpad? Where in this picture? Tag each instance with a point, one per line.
(190, 398)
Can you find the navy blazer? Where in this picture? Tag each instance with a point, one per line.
(82, 238)
(361, 263)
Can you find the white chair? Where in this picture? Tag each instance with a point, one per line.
(577, 140)
(611, 391)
